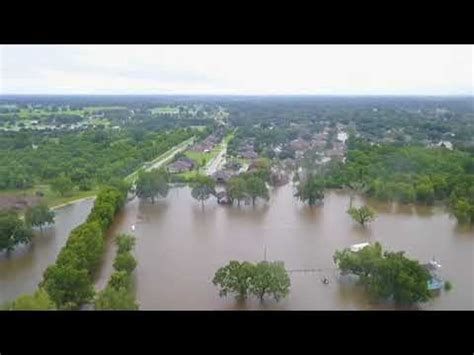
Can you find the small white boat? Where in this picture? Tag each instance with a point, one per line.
(357, 247)
(133, 227)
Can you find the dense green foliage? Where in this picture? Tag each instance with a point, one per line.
(112, 298)
(67, 159)
(153, 184)
(13, 231)
(386, 275)
(270, 278)
(69, 281)
(361, 215)
(410, 174)
(234, 278)
(118, 295)
(39, 301)
(202, 188)
(244, 278)
(62, 185)
(249, 185)
(310, 190)
(237, 189)
(39, 215)
(125, 243)
(68, 286)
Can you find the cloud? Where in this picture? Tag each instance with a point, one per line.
(237, 69)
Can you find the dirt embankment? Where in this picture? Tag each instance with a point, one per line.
(18, 203)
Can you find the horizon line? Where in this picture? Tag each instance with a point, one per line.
(242, 95)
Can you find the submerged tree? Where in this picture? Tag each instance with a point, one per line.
(311, 190)
(256, 188)
(244, 278)
(125, 243)
(270, 278)
(235, 277)
(236, 189)
(361, 215)
(39, 215)
(202, 188)
(67, 286)
(388, 275)
(115, 299)
(13, 231)
(152, 184)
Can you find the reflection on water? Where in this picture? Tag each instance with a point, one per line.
(22, 270)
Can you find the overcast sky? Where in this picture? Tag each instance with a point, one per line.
(326, 70)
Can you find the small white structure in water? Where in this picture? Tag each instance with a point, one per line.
(358, 247)
(133, 227)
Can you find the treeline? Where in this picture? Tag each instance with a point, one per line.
(408, 174)
(69, 282)
(398, 120)
(118, 294)
(86, 159)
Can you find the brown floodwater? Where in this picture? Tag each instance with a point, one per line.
(22, 270)
(180, 246)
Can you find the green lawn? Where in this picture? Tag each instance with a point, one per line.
(164, 109)
(103, 108)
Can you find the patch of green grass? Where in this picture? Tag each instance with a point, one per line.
(103, 108)
(199, 128)
(164, 109)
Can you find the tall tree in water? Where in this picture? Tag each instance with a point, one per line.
(13, 231)
(386, 275)
(256, 187)
(236, 189)
(361, 215)
(152, 184)
(39, 215)
(203, 188)
(270, 278)
(310, 190)
(235, 278)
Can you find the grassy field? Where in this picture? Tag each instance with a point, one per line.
(28, 114)
(164, 109)
(103, 108)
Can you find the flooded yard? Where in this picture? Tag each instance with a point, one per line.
(180, 246)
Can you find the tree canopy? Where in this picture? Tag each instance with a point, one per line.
(310, 190)
(39, 215)
(386, 275)
(362, 215)
(13, 231)
(202, 188)
(152, 184)
(244, 278)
